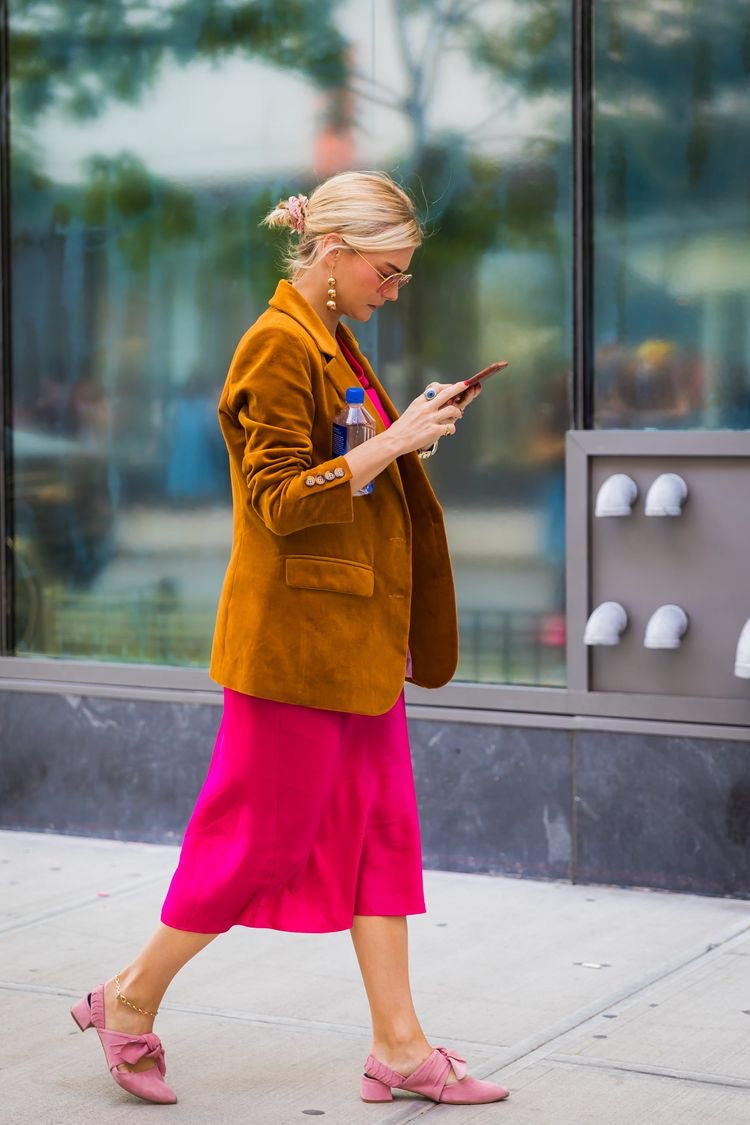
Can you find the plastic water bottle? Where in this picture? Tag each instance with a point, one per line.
(351, 427)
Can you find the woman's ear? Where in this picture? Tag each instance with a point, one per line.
(331, 248)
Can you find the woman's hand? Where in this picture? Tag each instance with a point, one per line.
(423, 423)
(425, 420)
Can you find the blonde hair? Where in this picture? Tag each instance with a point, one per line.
(370, 212)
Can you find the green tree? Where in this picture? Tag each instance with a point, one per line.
(78, 58)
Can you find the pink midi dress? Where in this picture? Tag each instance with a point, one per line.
(306, 818)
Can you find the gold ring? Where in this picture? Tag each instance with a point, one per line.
(447, 431)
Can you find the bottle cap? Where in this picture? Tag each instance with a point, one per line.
(355, 395)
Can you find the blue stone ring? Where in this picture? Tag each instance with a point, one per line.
(430, 393)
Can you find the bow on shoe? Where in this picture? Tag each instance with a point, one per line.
(132, 1048)
(459, 1065)
(431, 1078)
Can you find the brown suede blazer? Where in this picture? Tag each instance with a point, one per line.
(324, 591)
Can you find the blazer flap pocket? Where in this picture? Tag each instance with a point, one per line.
(339, 576)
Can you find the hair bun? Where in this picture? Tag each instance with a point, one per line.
(290, 212)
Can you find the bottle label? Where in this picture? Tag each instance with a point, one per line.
(339, 440)
(340, 446)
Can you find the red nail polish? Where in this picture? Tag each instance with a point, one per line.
(467, 382)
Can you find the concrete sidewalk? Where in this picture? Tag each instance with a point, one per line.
(593, 1004)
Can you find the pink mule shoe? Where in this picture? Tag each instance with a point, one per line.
(121, 1048)
(429, 1080)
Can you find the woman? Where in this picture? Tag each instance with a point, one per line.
(307, 820)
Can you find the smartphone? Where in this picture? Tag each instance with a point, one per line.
(485, 372)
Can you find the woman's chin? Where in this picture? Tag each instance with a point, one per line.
(362, 313)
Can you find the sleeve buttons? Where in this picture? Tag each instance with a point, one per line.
(329, 475)
(338, 471)
(320, 479)
(309, 481)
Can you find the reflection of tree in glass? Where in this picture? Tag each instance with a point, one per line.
(81, 57)
(487, 187)
(166, 271)
(671, 168)
(671, 118)
(78, 57)
(672, 81)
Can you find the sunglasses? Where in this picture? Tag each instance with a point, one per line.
(398, 279)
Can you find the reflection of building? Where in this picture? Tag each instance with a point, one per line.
(134, 258)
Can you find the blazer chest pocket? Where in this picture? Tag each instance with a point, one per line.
(337, 576)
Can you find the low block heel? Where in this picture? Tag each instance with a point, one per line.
(81, 1013)
(374, 1091)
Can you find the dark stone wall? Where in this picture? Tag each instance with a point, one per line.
(93, 766)
(594, 807)
(663, 812)
(494, 799)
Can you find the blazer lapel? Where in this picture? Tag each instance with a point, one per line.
(289, 300)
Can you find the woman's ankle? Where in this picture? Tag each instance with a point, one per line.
(136, 991)
(405, 1049)
(128, 1006)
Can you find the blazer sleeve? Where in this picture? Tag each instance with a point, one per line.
(270, 398)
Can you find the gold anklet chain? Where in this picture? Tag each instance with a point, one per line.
(124, 1000)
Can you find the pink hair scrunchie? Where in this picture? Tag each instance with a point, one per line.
(297, 208)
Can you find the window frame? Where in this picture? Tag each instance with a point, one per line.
(569, 707)
(7, 599)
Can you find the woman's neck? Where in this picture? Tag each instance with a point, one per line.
(310, 290)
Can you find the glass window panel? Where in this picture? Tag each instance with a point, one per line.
(672, 211)
(148, 139)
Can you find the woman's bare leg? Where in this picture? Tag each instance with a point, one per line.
(381, 945)
(145, 980)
